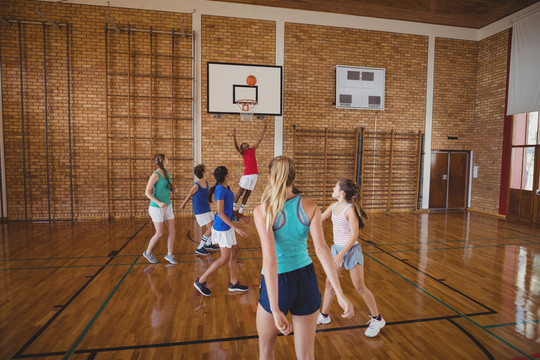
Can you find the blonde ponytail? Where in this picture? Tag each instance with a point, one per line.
(282, 174)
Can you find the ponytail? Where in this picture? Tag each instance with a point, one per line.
(158, 160)
(352, 195)
(219, 175)
(282, 175)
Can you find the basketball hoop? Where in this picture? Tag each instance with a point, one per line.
(247, 106)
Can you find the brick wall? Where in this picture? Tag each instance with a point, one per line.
(488, 132)
(88, 111)
(311, 53)
(469, 85)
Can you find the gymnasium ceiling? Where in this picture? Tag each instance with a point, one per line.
(461, 13)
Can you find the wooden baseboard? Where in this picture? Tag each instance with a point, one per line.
(500, 216)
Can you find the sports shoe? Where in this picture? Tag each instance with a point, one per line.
(171, 259)
(150, 257)
(202, 288)
(374, 326)
(321, 319)
(211, 247)
(202, 251)
(237, 287)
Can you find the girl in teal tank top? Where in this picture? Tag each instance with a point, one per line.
(158, 190)
(289, 282)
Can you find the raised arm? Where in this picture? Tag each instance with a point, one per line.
(325, 257)
(192, 192)
(236, 142)
(270, 269)
(260, 136)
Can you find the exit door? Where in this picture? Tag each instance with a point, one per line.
(449, 180)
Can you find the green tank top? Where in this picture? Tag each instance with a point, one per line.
(161, 190)
(291, 231)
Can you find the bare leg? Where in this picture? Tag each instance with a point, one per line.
(304, 335)
(238, 194)
(329, 294)
(225, 256)
(160, 229)
(266, 328)
(208, 231)
(357, 277)
(171, 228)
(246, 197)
(232, 264)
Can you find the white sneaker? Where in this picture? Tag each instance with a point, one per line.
(321, 319)
(171, 259)
(150, 257)
(374, 326)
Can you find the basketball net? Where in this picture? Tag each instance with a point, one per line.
(246, 106)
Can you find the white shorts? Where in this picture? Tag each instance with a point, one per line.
(248, 181)
(205, 218)
(224, 238)
(160, 215)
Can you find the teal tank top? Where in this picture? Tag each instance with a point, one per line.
(291, 231)
(161, 190)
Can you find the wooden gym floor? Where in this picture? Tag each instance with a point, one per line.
(450, 286)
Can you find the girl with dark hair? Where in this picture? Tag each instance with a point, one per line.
(347, 218)
(223, 232)
(288, 281)
(158, 190)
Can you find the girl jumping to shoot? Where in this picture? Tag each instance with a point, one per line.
(158, 190)
(347, 217)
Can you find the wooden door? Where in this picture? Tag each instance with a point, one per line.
(449, 179)
(438, 185)
(457, 180)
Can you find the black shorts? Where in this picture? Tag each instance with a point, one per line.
(298, 292)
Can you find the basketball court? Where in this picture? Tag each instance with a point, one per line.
(91, 92)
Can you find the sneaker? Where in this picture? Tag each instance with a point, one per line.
(171, 259)
(202, 251)
(237, 287)
(211, 247)
(202, 288)
(321, 319)
(150, 257)
(374, 326)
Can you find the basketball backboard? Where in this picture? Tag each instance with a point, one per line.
(227, 83)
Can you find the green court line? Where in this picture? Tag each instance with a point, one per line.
(450, 248)
(454, 310)
(79, 339)
(460, 240)
(514, 323)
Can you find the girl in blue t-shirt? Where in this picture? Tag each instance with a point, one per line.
(223, 232)
(201, 209)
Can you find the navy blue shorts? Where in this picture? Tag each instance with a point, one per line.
(298, 292)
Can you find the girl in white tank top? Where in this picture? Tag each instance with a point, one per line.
(347, 218)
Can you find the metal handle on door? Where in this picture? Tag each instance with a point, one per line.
(444, 177)
(537, 191)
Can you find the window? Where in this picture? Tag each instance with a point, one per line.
(525, 140)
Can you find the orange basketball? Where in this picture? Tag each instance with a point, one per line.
(251, 80)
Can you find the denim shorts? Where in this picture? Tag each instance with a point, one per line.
(353, 257)
(298, 292)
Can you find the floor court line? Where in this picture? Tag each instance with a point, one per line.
(451, 308)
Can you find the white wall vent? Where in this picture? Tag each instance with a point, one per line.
(359, 87)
